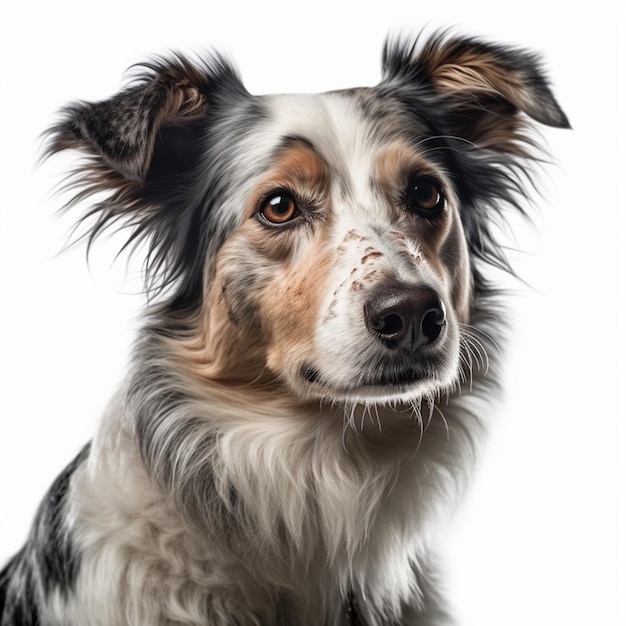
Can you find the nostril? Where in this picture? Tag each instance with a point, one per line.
(389, 325)
(432, 324)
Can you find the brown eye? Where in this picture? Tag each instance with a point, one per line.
(279, 208)
(425, 197)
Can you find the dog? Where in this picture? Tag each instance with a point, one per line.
(319, 355)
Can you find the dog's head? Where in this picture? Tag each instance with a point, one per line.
(331, 241)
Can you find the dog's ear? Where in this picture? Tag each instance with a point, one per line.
(146, 166)
(483, 86)
(121, 132)
(478, 99)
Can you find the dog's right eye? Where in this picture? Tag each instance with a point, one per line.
(279, 208)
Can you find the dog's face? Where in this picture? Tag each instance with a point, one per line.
(327, 241)
(349, 269)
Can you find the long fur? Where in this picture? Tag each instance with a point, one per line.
(283, 450)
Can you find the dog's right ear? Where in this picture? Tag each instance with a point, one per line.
(121, 132)
(144, 169)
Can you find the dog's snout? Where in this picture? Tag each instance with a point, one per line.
(405, 317)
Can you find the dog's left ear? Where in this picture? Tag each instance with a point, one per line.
(483, 86)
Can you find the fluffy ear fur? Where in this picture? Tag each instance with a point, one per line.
(145, 146)
(484, 85)
(122, 131)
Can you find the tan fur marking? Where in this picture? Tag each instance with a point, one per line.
(477, 80)
(396, 162)
(466, 70)
(298, 169)
(291, 306)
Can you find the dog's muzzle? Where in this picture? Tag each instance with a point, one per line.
(405, 317)
(407, 353)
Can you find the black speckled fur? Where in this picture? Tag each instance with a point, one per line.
(48, 560)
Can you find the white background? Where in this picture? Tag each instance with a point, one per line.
(541, 538)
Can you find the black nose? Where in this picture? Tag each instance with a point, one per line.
(405, 317)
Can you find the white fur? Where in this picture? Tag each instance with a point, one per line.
(375, 513)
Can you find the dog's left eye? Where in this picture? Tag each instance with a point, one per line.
(425, 197)
(279, 208)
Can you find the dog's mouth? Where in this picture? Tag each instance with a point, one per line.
(378, 380)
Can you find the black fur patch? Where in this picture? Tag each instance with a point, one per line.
(48, 561)
(56, 553)
(18, 605)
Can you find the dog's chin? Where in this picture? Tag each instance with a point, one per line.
(387, 386)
